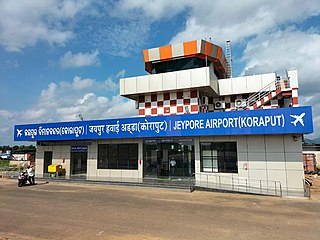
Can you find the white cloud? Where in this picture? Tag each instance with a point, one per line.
(79, 83)
(108, 84)
(64, 101)
(91, 106)
(34, 114)
(121, 74)
(121, 38)
(4, 131)
(236, 20)
(219, 20)
(24, 23)
(4, 114)
(86, 99)
(87, 84)
(47, 95)
(121, 107)
(285, 50)
(69, 60)
(153, 10)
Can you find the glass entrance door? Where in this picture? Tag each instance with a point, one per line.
(78, 163)
(163, 163)
(78, 160)
(168, 158)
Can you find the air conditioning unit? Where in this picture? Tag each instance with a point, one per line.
(274, 102)
(240, 103)
(220, 105)
(204, 100)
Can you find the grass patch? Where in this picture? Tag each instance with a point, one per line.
(4, 163)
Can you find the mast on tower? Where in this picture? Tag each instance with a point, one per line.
(229, 59)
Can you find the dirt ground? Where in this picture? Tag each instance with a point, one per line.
(85, 211)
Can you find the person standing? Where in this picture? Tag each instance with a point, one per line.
(172, 166)
(30, 175)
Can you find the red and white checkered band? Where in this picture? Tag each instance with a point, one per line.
(189, 102)
(169, 103)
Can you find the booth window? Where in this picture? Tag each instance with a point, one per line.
(179, 64)
(218, 157)
(118, 156)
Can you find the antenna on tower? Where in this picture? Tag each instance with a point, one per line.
(229, 59)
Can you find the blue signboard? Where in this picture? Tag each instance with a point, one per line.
(246, 122)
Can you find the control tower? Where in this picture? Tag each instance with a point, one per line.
(193, 77)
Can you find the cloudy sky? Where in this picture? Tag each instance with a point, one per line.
(61, 58)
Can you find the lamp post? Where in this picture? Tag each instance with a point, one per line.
(80, 116)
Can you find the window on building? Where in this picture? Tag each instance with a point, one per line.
(118, 156)
(218, 157)
(179, 64)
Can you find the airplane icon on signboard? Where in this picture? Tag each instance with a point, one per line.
(298, 118)
(19, 133)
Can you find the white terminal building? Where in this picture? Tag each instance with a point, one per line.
(195, 122)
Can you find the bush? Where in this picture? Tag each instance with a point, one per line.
(4, 163)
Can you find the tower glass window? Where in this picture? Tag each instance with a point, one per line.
(179, 64)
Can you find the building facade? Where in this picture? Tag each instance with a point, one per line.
(311, 158)
(195, 120)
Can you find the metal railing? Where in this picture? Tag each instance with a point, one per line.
(265, 91)
(165, 182)
(238, 184)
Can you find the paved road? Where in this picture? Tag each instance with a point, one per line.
(79, 211)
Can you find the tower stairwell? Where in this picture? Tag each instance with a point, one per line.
(268, 93)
